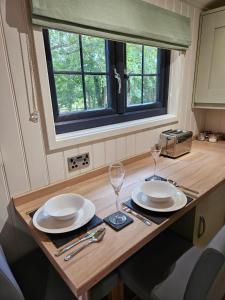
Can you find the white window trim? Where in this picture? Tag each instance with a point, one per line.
(58, 141)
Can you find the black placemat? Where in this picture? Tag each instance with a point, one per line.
(156, 217)
(60, 239)
(118, 227)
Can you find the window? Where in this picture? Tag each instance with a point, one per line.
(95, 82)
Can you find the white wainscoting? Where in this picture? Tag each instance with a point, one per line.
(27, 162)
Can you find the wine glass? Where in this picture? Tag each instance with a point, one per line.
(116, 177)
(156, 151)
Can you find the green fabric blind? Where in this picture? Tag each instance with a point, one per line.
(134, 21)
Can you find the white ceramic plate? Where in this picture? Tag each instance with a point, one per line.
(43, 222)
(178, 201)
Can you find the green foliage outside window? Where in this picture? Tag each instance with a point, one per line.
(74, 88)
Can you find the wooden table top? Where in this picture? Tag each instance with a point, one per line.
(203, 169)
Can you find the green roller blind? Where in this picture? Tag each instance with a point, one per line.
(133, 21)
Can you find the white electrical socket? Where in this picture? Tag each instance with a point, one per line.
(78, 162)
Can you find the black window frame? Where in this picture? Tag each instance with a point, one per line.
(118, 112)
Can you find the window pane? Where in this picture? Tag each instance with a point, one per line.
(96, 91)
(134, 58)
(149, 89)
(65, 50)
(69, 93)
(134, 87)
(150, 60)
(93, 54)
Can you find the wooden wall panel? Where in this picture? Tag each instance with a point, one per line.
(15, 29)
(56, 167)
(120, 148)
(10, 131)
(130, 139)
(110, 151)
(98, 155)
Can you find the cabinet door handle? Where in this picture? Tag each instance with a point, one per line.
(201, 226)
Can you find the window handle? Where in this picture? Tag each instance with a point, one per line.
(118, 78)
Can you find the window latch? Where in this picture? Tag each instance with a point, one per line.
(118, 78)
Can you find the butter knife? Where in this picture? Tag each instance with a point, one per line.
(85, 237)
(137, 215)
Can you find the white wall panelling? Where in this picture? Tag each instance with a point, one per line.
(27, 163)
(121, 148)
(130, 139)
(98, 155)
(16, 39)
(110, 151)
(56, 167)
(10, 131)
(142, 140)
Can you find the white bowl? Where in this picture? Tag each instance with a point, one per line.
(158, 191)
(64, 206)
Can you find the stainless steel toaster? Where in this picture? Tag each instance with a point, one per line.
(176, 142)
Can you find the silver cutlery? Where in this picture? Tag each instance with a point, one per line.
(85, 237)
(182, 186)
(137, 215)
(96, 238)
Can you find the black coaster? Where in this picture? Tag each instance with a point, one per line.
(129, 220)
(60, 239)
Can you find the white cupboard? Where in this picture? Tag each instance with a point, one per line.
(209, 216)
(210, 67)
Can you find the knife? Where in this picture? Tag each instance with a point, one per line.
(85, 237)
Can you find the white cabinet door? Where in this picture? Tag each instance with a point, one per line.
(210, 216)
(210, 76)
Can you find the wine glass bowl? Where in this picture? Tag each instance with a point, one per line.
(116, 178)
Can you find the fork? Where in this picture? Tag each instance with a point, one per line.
(140, 217)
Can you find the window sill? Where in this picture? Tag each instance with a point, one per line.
(94, 134)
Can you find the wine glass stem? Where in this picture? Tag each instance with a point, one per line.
(117, 201)
(154, 167)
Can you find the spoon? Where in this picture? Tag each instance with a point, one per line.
(97, 237)
(181, 186)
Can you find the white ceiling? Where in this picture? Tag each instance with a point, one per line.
(206, 4)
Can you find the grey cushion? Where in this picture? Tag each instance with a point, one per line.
(197, 274)
(204, 274)
(174, 286)
(9, 289)
(218, 242)
(152, 264)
